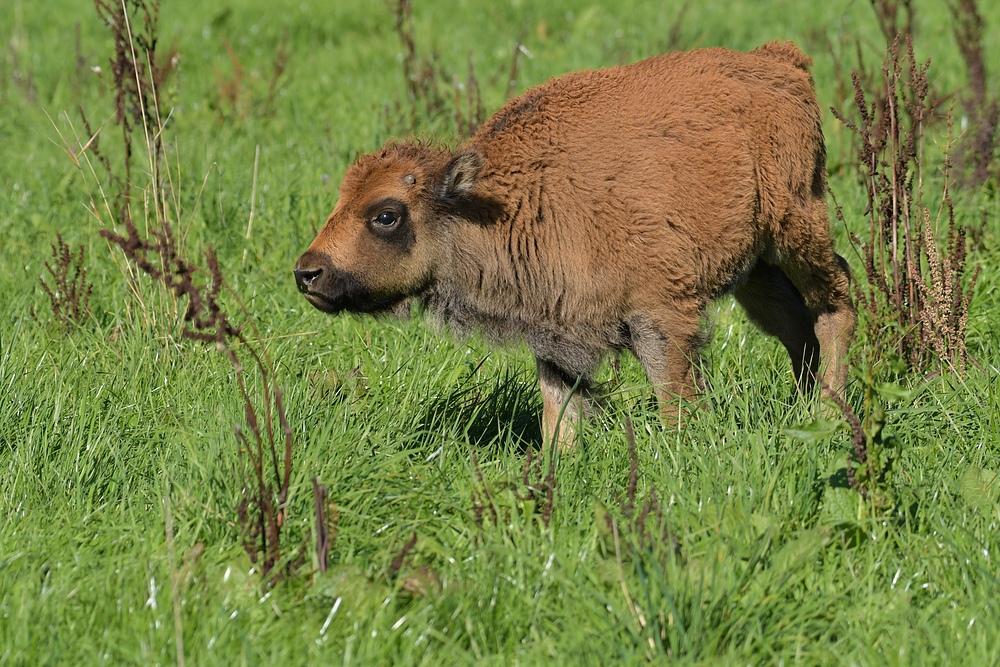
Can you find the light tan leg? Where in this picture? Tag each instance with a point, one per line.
(805, 254)
(560, 398)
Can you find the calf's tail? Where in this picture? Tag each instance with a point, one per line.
(786, 52)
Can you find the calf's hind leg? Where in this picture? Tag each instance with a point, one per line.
(773, 304)
(835, 327)
(805, 255)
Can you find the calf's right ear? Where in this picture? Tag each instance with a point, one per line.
(460, 174)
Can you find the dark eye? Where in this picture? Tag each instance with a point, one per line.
(386, 219)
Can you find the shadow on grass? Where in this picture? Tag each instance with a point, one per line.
(489, 411)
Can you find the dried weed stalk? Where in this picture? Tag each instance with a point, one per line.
(914, 297)
(20, 72)
(873, 452)
(483, 501)
(240, 94)
(69, 293)
(646, 527)
(887, 13)
(896, 21)
(427, 82)
(436, 96)
(137, 76)
(978, 153)
(327, 519)
(675, 36)
(536, 487)
(265, 438)
(841, 53)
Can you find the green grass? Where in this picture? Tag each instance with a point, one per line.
(103, 424)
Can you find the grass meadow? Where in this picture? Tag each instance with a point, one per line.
(455, 537)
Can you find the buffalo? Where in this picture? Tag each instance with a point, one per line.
(602, 211)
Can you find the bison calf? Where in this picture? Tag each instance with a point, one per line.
(602, 211)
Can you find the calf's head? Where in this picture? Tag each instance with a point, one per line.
(388, 232)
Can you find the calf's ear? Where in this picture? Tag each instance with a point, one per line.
(460, 174)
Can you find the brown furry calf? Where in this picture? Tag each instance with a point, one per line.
(604, 210)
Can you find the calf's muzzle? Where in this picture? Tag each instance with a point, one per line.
(321, 284)
(306, 277)
(334, 290)
(312, 271)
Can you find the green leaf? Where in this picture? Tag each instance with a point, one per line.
(892, 391)
(601, 518)
(816, 431)
(980, 488)
(761, 523)
(350, 583)
(840, 506)
(800, 550)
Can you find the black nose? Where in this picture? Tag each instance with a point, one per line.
(304, 278)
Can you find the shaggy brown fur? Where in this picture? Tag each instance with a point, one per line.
(603, 210)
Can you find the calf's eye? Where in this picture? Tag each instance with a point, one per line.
(386, 219)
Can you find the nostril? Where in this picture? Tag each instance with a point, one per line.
(304, 278)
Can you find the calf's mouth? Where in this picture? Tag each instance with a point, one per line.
(334, 290)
